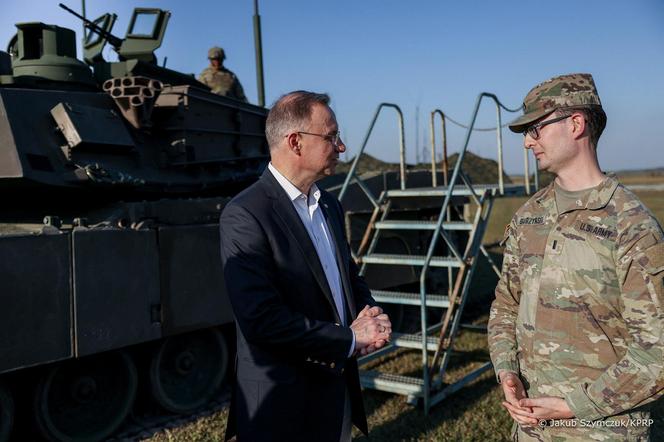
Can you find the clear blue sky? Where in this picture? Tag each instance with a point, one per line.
(426, 54)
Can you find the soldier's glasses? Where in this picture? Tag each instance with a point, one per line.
(534, 130)
(334, 138)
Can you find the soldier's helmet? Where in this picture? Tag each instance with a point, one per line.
(556, 93)
(216, 53)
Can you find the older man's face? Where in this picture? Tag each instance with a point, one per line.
(319, 155)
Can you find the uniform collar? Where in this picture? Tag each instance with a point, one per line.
(599, 197)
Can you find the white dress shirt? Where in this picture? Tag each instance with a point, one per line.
(313, 220)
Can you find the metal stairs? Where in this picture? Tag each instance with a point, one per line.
(438, 339)
(454, 243)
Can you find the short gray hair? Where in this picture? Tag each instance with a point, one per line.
(291, 112)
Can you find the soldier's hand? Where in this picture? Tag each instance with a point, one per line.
(514, 392)
(547, 407)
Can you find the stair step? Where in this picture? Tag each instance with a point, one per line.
(404, 298)
(410, 260)
(392, 383)
(422, 225)
(405, 340)
(459, 190)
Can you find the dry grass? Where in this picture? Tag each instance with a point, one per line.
(626, 177)
(474, 413)
(210, 428)
(470, 414)
(467, 415)
(641, 177)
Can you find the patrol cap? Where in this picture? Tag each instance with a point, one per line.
(216, 53)
(556, 93)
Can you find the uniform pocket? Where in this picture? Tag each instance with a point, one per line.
(654, 259)
(589, 279)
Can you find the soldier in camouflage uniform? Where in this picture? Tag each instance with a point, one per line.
(576, 331)
(219, 79)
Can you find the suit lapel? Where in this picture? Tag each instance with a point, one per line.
(292, 225)
(341, 253)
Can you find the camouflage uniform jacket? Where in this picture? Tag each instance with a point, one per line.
(579, 310)
(222, 82)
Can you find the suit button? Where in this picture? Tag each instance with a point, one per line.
(332, 365)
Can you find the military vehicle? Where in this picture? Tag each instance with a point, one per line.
(112, 176)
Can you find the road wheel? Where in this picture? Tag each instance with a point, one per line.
(187, 370)
(86, 399)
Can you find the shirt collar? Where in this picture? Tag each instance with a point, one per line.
(292, 191)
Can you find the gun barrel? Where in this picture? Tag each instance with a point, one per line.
(112, 39)
(71, 11)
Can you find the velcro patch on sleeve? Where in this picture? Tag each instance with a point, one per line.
(654, 259)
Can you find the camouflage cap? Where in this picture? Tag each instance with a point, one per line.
(556, 93)
(216, 53)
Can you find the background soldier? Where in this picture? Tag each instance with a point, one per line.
(576, 329)
(219, 79)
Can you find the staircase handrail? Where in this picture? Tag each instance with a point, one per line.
(455, 176)
(402, 154)
(498, 128)
(441, 217)
(434, 178)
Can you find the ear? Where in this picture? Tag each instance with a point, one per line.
(579, 124)
(293, 142)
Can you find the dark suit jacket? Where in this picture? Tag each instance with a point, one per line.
(292, 366)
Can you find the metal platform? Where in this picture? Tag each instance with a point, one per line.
(405, 298)
(422, 225)
(459, 190)
(409, 260)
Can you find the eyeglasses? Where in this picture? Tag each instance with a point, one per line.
(334, 138)
(534, 130)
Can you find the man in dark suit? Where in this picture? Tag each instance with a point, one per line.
(302, 311)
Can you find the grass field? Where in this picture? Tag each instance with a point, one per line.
(474, 413)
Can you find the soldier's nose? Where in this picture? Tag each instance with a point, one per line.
(528, 142)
